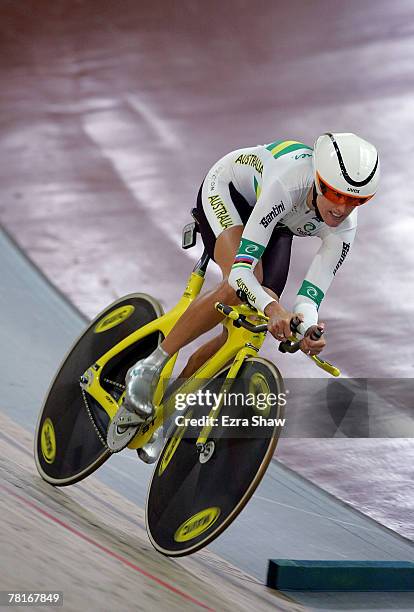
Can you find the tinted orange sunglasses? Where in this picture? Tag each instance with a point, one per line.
(339, 197)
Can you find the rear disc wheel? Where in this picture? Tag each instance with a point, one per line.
(70, 439)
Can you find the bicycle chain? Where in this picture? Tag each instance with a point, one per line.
(114, 383)
(89, 413)
(91, 418)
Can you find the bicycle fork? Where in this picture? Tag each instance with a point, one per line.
(205, 447)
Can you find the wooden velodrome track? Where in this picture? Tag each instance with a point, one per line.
(65, 539)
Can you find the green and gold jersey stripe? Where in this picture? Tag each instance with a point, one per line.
(257, 188)
(281, 147)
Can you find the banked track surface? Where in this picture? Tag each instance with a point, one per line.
(91, 543)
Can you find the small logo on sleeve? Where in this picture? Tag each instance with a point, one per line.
(312, 292)
(248, 247)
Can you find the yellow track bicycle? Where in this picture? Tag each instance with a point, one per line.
(214, 455)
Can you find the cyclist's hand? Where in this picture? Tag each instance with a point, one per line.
(279, 321)
(313, 347)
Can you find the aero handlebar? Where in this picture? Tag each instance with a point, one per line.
(292, 345)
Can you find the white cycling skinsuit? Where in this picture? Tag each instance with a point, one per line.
(275, 179)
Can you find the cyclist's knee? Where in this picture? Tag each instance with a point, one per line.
(226, 294)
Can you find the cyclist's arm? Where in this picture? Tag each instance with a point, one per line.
(273, 203)
(325, 265)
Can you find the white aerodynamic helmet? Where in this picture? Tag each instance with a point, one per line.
(347, 168)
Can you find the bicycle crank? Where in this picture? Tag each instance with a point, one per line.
(122, 429)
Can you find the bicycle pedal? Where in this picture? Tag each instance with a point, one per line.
(122, 429)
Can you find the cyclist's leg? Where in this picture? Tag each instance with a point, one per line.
(203, 353)
(201, 316)
(202, 311)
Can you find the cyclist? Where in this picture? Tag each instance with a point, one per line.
(250, 205)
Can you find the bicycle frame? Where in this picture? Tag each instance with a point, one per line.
(240, 344)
